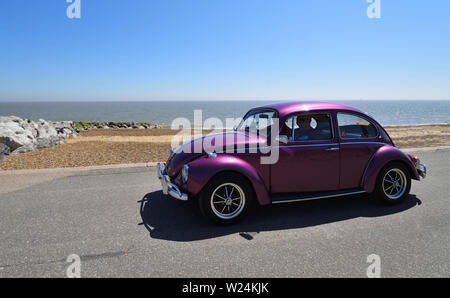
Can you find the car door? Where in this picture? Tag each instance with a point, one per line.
(309, 162)
(359, 140)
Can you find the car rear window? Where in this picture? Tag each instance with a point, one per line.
(355, 127)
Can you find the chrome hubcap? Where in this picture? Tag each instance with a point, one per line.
(394, 184)
(227, 200)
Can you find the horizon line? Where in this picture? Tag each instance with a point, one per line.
(215, 100)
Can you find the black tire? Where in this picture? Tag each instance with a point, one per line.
(390, 192)
(232, 183)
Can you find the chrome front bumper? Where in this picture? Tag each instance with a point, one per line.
(167, 186)
(421, 169)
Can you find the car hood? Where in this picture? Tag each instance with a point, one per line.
(219, 143)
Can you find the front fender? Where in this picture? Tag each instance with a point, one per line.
(203, 169)
(383, 156)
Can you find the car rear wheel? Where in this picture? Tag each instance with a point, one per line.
(226, 199)
(393, 183)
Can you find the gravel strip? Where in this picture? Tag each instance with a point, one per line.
(89, 149)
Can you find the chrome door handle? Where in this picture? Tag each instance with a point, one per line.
(332, 149)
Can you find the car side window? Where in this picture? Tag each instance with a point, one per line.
(308, 127)
(258, 121)
(355, 127)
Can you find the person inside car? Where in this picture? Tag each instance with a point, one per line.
(304, 131)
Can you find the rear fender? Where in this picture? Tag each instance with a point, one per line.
(382, 157)
(203, 169)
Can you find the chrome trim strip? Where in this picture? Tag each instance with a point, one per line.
(311, 145)
(351, 143)
(167, 186)
(291, 146)
(308, 145)
(321, 197)
(332, 144)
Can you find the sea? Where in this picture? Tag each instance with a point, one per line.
(386, 112)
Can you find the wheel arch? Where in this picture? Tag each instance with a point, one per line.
(233, 172)
(383, 157)
(203, 170)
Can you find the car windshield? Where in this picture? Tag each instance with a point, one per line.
(258, 121)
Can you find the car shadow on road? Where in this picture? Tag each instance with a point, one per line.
(169, 219)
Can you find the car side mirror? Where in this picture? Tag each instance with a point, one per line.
(282, 139)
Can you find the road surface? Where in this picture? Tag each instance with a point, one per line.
(121, 225)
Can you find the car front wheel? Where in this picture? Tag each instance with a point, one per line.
(226, 199)
(393, 183)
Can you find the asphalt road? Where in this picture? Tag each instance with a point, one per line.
(121, 225)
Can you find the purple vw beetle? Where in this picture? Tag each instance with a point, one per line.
(323, 150)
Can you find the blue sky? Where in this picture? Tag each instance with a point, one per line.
(224, 49)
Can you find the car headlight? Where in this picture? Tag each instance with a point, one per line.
(185, 173)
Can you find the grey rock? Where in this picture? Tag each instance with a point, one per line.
(67, 131)
(30, 126)
(48, 142)
(4, 150)
(46, 130)
(24, 149)
(14, 136)
(23, 135)
(10, 119)
(62, 124)
(63, 128)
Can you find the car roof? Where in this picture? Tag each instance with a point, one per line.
(286, 108)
